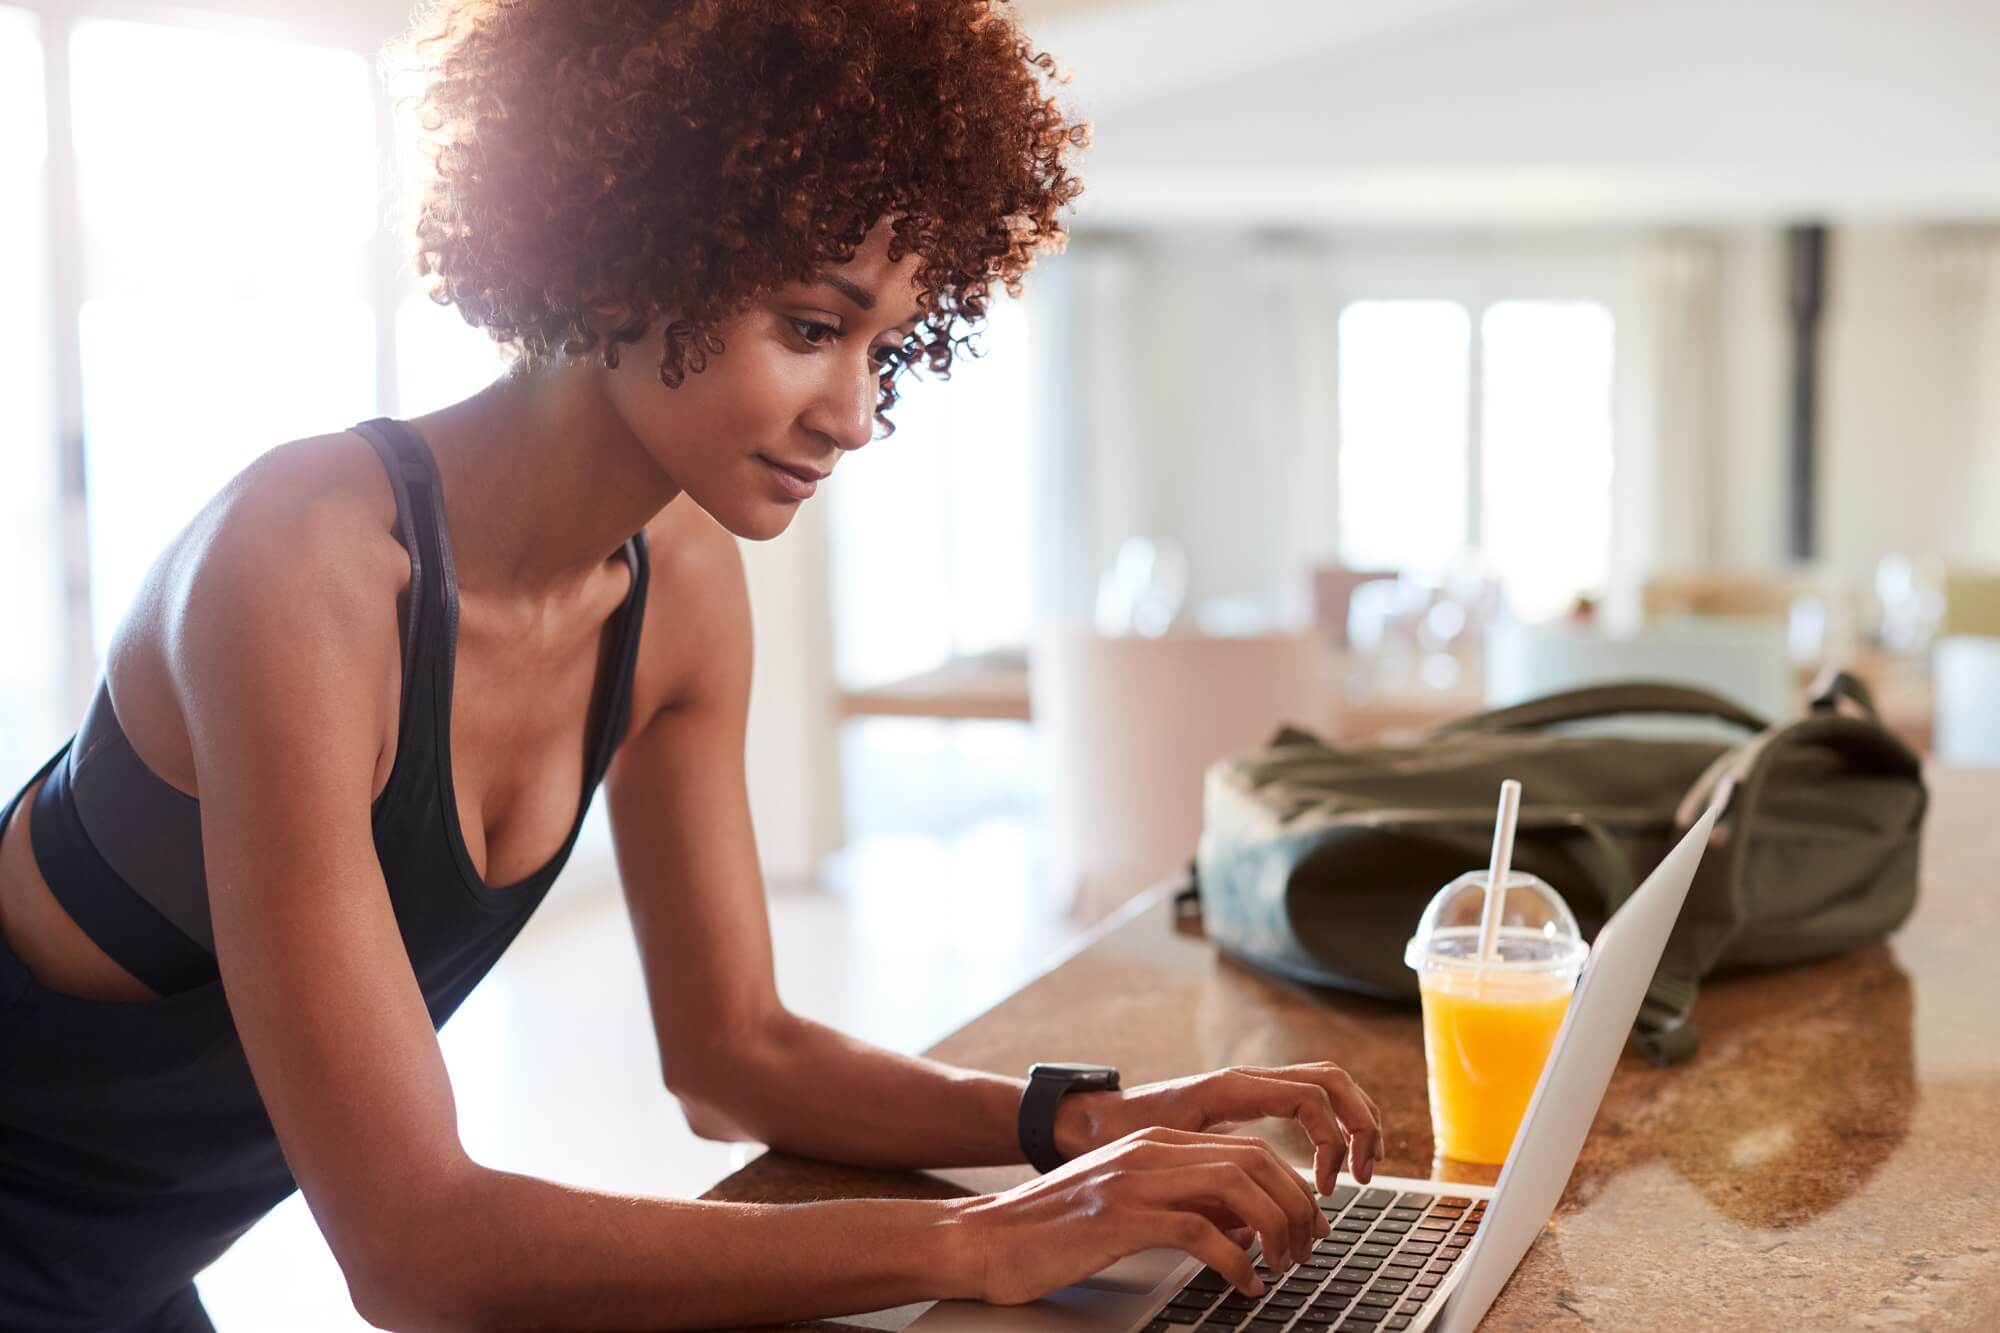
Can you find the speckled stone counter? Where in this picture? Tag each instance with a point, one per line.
(1831, 1159)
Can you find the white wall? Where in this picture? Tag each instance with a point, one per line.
(1906, 466)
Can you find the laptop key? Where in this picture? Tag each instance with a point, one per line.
(1400, 1321)
(1341, 1196)
(1283, 1300)
(1267, 1323)
(1376, 1198)
(1374, 1251)
(1402, 1214)
(1414, 1201)
(1452, 1201)
(1208, 1280)
(1362, 1315)
(1410, 1307)
(1342, 1287)
(1394, 1224)
(1399, 1273)
(1361, 1262)
(1387, 1283)
(1376, 1302)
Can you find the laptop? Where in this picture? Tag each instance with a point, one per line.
(1403, 1253)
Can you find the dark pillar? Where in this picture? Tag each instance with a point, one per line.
(1805, 300)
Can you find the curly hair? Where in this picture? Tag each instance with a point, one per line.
(598, 166)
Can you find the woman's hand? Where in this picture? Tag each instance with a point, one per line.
(1341, 1119)
(1157, 1187)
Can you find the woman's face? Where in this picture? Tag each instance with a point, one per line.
(794, 388)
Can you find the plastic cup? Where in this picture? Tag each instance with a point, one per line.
(1489, 1023)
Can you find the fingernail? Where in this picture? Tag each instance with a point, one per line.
(1256, 1286)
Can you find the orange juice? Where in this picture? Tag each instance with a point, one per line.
(1485, 1038)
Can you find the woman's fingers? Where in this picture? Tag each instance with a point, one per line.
(1200, 1238)
(1338, 1093)
(1199, 1190)
(1262, 1168)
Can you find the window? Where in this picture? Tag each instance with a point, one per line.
(1500, 444)
(225, 303)
(31, 687)
(1545, 450)
(929, 528)
(1404, 369)
(929, 537)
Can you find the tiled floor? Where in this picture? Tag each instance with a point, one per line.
(553, 1062)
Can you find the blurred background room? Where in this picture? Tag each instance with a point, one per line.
(1408, 357)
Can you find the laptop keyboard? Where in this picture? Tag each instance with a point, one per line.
(1386, 1254)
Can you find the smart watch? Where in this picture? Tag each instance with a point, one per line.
(1047, 1084)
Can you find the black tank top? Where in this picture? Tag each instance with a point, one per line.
(134, 1148)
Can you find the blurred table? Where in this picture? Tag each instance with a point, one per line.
(990, 685)
(1831, 1159)
(996, 685)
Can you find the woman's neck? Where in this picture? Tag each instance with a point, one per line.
(543, 482)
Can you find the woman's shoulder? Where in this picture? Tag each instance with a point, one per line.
(315, 516)
(697, 627)
(296, 552)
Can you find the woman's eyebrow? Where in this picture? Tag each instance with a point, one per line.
(856, 293)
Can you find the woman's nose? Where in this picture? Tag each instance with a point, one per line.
(846, 413)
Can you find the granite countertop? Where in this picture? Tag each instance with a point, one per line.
(1831, 1159)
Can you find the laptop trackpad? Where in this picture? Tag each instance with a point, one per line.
(1136, 1274)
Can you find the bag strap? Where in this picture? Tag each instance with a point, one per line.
(1834, 684)
(1664, 1030)
(1605, 701)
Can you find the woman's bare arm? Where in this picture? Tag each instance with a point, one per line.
(741, 1064)
(277, 654)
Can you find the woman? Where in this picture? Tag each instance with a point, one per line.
(346, 731)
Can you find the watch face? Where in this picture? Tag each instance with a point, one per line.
(1077, 1075)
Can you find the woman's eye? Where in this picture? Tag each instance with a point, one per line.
(813, 333)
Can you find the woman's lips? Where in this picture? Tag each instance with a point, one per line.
(794, 484)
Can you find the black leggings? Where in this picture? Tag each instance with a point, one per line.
(80, 1246)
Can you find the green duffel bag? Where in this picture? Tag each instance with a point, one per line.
(1316, 862)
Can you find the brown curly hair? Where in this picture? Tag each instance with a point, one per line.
(601, 165)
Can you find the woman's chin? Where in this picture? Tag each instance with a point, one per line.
(755, 520)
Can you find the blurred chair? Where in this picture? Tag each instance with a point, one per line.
(1759, 595)
(1966, 677)
(1130, 724)
(1745, 660)
(1333, 593)
(1971, 603)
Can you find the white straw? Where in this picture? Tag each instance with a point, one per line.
(1496, 874)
